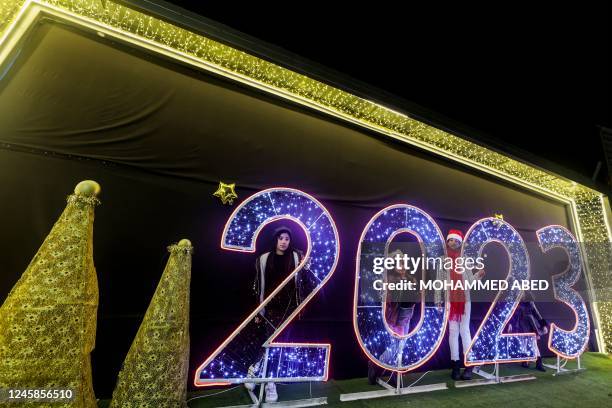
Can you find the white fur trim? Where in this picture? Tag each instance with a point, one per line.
(456, 236)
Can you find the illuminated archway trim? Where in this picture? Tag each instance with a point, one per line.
(136, 28)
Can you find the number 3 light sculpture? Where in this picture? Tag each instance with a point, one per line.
(566, 343)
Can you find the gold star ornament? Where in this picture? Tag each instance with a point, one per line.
(226, 193)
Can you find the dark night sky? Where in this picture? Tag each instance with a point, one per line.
(537, 77)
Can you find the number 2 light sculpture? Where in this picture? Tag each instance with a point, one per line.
(245, 346)
(489, 344)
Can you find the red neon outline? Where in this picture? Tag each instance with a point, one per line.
(502, 334)
(356, 290)
(553, 326)
(269, 343)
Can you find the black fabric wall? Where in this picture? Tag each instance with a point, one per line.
(158, 138)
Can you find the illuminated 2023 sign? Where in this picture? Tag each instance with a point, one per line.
(230, 362)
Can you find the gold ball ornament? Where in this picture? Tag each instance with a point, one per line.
(184, 242)
(88, 188)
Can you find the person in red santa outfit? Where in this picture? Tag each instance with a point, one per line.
(460, 306)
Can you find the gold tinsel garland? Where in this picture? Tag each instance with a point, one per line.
(593, 228)
(48, 321)
(154, 373)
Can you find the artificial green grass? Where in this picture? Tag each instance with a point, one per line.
(589, 388)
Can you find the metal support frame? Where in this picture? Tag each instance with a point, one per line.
(560, 369)
(258, 401)
(492, 378)
(399, 388)
(390, 391)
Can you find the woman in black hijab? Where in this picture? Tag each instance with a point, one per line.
(272, 268)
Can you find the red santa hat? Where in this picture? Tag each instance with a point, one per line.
(458, 235)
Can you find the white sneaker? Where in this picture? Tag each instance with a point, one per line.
(251, 373)
(271, 394)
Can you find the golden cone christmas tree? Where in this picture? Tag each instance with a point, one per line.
(48, 320)
(154, 373)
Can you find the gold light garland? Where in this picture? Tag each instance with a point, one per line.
(585, 203)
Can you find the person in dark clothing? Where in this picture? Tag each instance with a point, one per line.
(398, 310)
(272, 268)
(527, 319)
